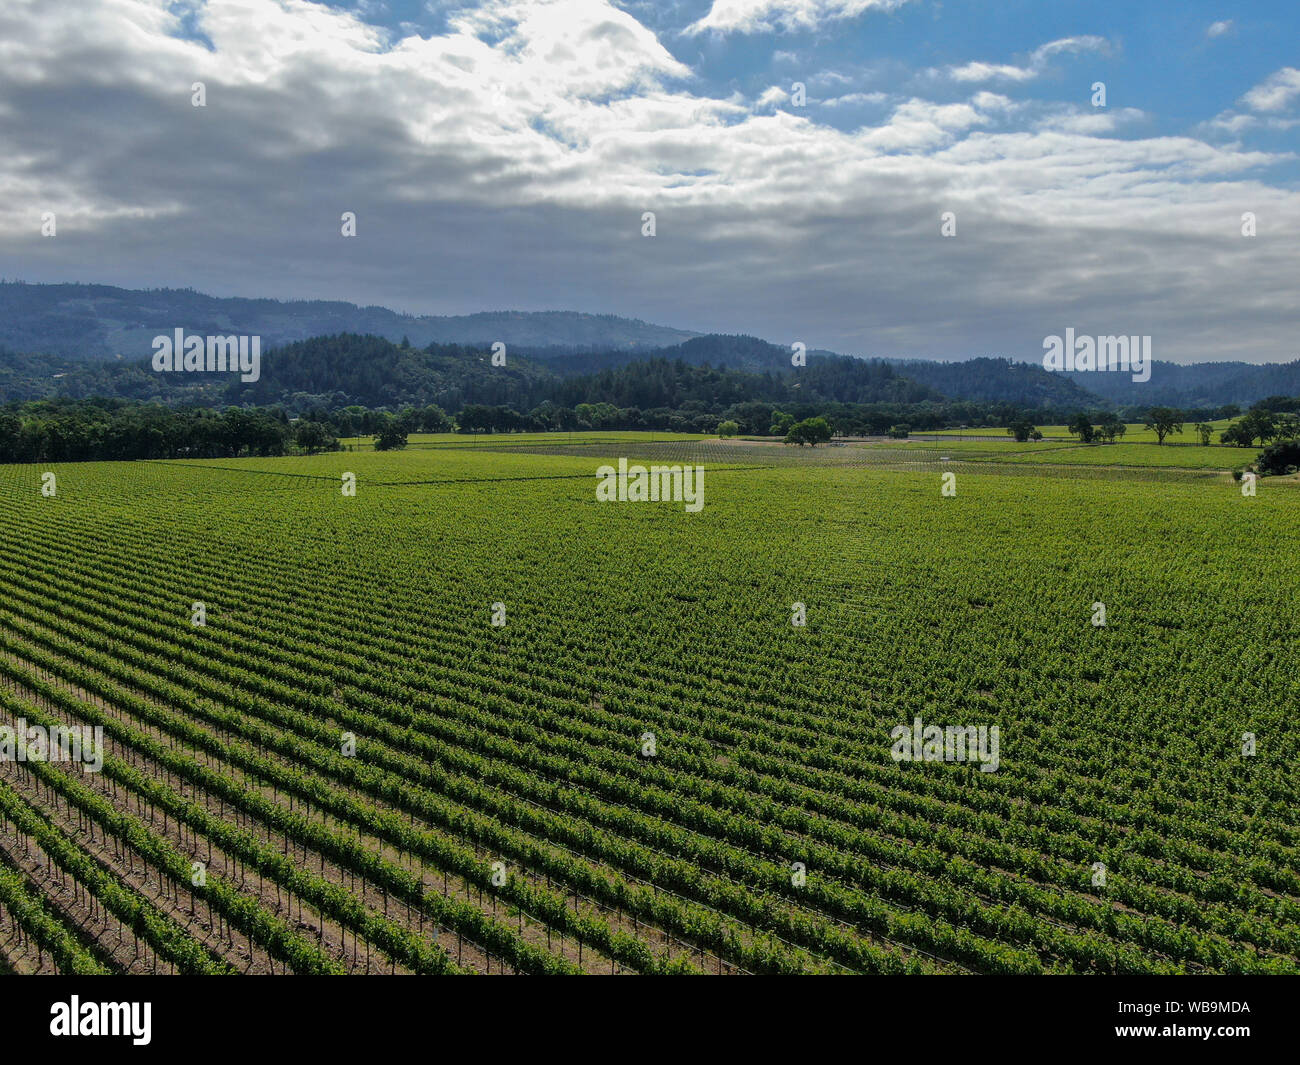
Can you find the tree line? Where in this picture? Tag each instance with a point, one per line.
(88, 430)
(68, 430)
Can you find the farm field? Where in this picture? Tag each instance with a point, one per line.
(1214, 457)
(348, 767)
(464, 440)
(1134, 433)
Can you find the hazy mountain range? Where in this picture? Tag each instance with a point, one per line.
(103, 322)
(82, 340)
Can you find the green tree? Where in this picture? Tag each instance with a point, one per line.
(1022, 429)
(1280, 458)
(782, 423)
(1109, 427)
(1163, 421)
(1081, 426)
(810, 431)
(313, 436)
(391, 436)
(475, 418)
(727, 429)
(434, 419)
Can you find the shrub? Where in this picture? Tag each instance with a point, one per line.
(1279, 458)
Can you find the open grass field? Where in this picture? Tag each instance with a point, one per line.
(1134, 432)
(647, 766)
(472, 440)
(1061, 453)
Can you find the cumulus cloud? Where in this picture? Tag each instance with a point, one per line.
(768, 16)
(1275, 93)
(1093, 122)
(506, 160)
(1218, 29)
(1038, 60)
(855, 99)
(1262, 104)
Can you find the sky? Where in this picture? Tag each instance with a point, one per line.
(799, 158)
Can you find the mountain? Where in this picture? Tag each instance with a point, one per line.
(975, 380)
(995, 380)
(101, 322)
(714, 370)
(90, 340)
(1205, 384)
(347, 369)
(673, 382)
(713, 349)
(371, 371)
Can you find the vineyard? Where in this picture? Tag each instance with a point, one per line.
(469, 719)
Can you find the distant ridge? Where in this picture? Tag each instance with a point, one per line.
(989, 380)
(1204, 384)
(101, 322)
(47, 330)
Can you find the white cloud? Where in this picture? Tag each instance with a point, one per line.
(768, 16)
(1276, 92)
(853, 99)
(993, 101)
(1093, 123)
(979, 71)
(1232, 122)
(1218, 29)
(1272, 95)
(823, 77)
(506, 162)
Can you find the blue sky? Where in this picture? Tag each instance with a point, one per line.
(1181, 63)
(502, 154)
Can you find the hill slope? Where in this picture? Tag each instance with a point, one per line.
(1207, 384)
(49, 330)
(102, 322)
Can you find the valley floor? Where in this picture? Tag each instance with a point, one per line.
(471, 719)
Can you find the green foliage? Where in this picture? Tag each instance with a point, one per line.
(1280, 457)
(1164, 420)
(391, 436)
(810, 431)
(782, 423)
(314, 436)
(1022, 429)
(67, 431)
(1109, 428)
(369, 614)
(1263, 423)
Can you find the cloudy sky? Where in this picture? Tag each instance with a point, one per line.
(798, 157)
